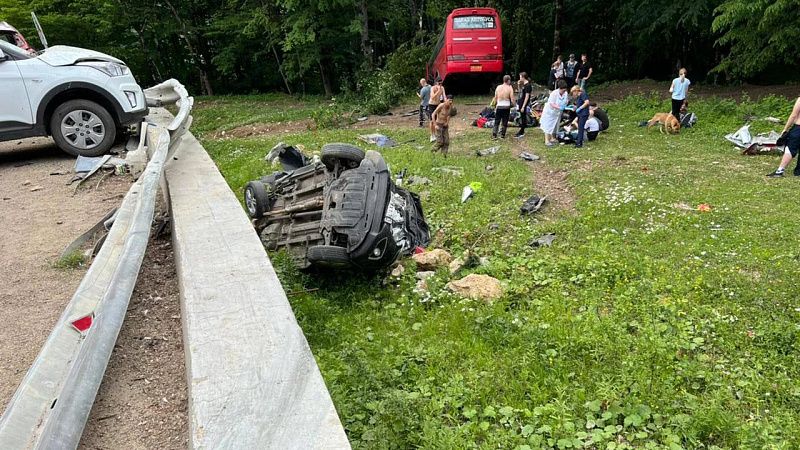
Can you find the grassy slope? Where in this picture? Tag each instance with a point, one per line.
(645, 324)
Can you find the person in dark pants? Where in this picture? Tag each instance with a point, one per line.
(584, 72)
(569, 69)
(523, 102)
(679, 89)
(503, 97)
(424, 95)
(581, 111)
(791, 134)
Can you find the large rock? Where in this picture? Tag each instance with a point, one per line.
(477, 287)
(432, 260)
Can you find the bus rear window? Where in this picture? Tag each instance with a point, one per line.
(473, 22)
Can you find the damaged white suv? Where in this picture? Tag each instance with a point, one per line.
(81, 98)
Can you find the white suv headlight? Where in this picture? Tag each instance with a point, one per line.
(111, 69)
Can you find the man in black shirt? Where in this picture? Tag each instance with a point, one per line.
(584, 72)
(601, 115)
(523, 102)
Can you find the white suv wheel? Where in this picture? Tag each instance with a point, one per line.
(83, 129)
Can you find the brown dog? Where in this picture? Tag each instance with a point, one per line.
(667, 121)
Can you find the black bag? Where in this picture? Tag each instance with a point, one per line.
(783, 140)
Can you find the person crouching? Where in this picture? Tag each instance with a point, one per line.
(581, 111)
(441, 120)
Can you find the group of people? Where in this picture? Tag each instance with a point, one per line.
(573, 72)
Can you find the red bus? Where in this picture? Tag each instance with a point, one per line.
(470, 44)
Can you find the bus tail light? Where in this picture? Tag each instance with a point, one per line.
(456, 57)
(494, 56)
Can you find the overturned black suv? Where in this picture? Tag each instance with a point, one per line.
(341, 211)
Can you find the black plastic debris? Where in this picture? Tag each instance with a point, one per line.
(532, 205)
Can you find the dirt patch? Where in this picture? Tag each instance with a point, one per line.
(547, 181)
(142, 403)
(39, 216)
(263, 129)
(618, 91)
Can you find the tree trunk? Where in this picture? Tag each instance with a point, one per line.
(280, 70)
(196, 57)
(326, 82)
(559, 19)
(366, 47)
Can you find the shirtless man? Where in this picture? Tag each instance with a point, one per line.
(437, 96)
(792, 127)
(503, 98)
(441, 120)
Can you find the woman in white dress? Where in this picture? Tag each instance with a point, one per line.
(551, 115)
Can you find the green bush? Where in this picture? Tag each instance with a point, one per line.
(333, 115)
(378, 91)
(407, 63)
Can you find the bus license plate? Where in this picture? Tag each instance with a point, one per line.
(475, 68)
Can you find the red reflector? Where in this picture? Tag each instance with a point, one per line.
(418, 250)
(83, 323)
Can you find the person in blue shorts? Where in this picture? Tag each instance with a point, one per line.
(791, 137)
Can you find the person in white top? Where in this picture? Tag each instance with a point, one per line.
(551, 115)
(679, 88)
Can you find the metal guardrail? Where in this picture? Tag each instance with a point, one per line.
(50, 407)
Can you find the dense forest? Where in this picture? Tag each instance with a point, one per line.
(330, 46)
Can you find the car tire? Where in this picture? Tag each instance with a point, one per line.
(83, 128)
(350, 156)
(256, 199)
(328, 256)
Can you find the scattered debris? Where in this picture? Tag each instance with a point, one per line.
(489, 168)
(477, 287)
(36, 188)
(682, 206)
(494, 226)
(772, 119)
(704, 207)
(470, 190)
(414, 179)
(488, 151)
(377, 139)
(26, 183)
(753, 145)
(103, 225)
(532, 204)
(86, 167)
(545, 240)
(529, 156)
(466, 194)
(361, 119)
(432, 260)
(421, 287)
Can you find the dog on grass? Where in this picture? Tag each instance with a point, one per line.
(667, 122)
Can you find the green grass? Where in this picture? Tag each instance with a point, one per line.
(645, 325)
(72, 260)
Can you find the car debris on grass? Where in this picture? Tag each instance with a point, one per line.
(342, 211)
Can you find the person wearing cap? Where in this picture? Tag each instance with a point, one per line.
(572, 63)
(441, 121)
(424, 95)
(437, 96)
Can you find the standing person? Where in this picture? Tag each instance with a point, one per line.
(523, 102)
(569, 70)
(791, 131)
(437, 96)
(551, 79)
(503, 97)
(679, 89)
(581, 111)
(584, 72)
(551, 115)
(424, 95)
(441, 121)
(558, 65)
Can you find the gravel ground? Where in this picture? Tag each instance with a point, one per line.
(142, 402)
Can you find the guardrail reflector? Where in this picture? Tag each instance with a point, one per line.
(84, 323)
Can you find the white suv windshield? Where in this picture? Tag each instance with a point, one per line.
(13, 50)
